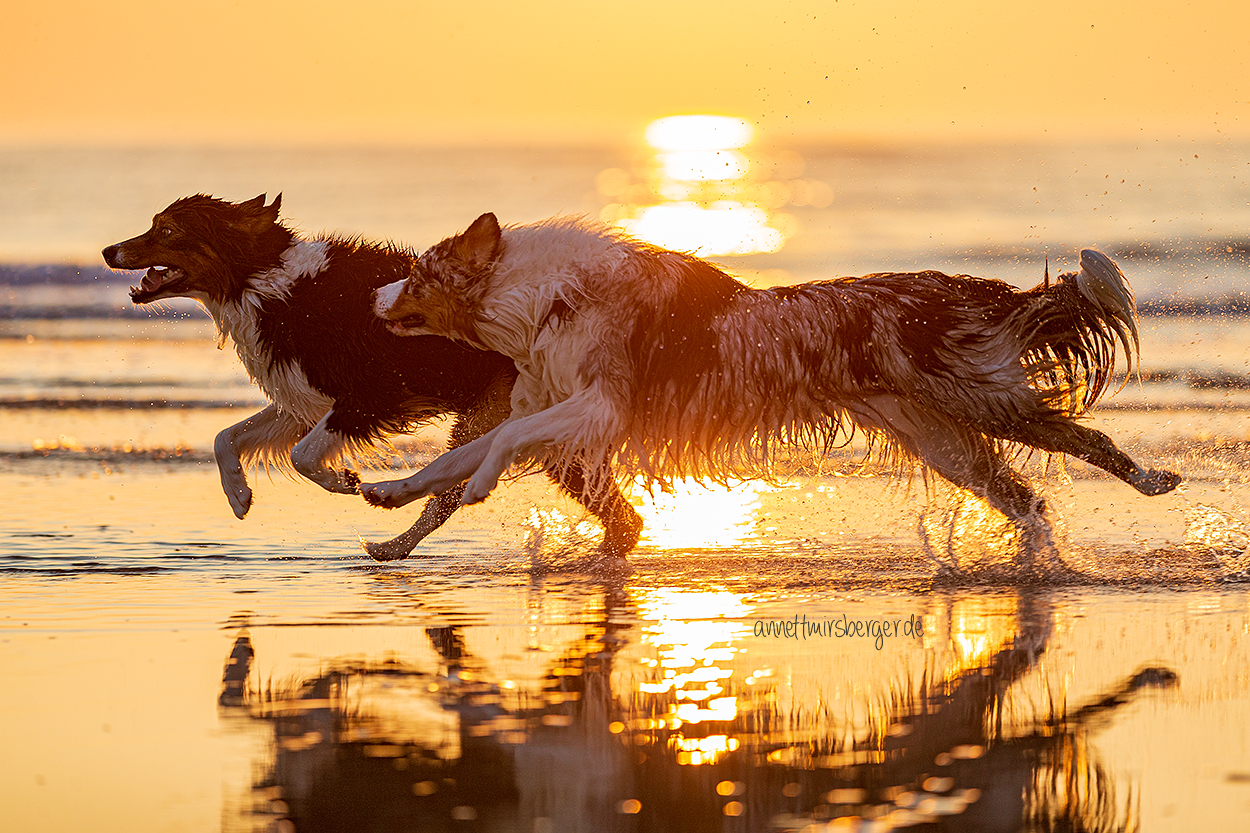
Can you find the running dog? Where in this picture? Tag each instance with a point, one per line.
(299, 313)
(663, 365)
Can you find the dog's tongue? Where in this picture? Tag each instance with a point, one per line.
(152, 280)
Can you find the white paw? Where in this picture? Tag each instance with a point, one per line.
(343, 482)
(340, 482)
(241, 502)
(480, 485)
(390, 494)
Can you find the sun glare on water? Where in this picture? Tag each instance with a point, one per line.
(694, 634)
(691, 516)
(702, 190)
(687, 516)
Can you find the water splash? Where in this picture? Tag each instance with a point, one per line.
(553, 537)
(969, 539)
(1227, 538)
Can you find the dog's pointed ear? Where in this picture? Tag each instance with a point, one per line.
(254, 204)
(255, 216)
(269, 213)
(477, 247)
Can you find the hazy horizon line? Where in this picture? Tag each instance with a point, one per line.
(623, 136)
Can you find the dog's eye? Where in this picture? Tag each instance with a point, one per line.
(165, 232)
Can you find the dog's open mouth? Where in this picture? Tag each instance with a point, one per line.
(408, 325)
(156, 279)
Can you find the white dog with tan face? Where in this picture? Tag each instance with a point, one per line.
(665, 366)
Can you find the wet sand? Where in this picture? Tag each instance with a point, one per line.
(492, 685)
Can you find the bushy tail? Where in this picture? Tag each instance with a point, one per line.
(1070, 334)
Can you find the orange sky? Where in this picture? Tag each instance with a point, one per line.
(489, 70)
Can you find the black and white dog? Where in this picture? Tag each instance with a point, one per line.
(661, 364)
(299, 312)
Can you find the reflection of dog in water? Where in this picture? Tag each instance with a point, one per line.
(389, 745)
(298, 312)
(662, 364)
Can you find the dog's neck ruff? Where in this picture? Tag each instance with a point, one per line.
(544, 268)
(302, 259)
(239, 320)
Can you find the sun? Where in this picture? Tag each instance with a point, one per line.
(701, 190)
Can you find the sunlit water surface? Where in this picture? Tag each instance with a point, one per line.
(840, 650)
(169, 667)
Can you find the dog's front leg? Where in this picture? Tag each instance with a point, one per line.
(265, 433)
(584, 420)
(311, 455)
(450, 469)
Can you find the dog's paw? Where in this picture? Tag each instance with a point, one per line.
(240, 500)
(350, 481)
(341, 482)
(234, 484)
(479, 487)
(1156, 482)
(391, 494)
(386, 550)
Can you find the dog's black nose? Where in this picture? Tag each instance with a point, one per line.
(110, 254)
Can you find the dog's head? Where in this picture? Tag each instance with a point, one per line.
(443, 293)
(203, 248)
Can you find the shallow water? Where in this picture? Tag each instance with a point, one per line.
(494, 684)
(171, 668)
(177, 669)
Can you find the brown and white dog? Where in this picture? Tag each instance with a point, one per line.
(299, 312)
(663, 365)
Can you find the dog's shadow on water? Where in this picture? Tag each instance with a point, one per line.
(596, 741)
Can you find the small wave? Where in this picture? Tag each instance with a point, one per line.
(1177, 407)
(54, 569)
(108, 384)
(15, 312)
(118, 454)
(35, 274)
(1198, 380)
(1233, 306)
(82, 403)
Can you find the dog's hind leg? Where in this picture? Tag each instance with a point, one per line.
(318, 447)
(488, 412)
(1095, 448)
(598, 492)
(268, 436)
(961, 455)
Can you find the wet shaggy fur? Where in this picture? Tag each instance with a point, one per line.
(666, 366)
(299, 313)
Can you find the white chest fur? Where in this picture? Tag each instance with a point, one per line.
(286, 385)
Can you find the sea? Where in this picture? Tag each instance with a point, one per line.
(844, 649)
